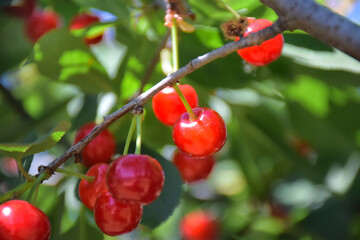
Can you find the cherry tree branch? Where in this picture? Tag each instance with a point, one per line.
(320, 22)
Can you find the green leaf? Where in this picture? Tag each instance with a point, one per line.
(40, 145)
(119, 8)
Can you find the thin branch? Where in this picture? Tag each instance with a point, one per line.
(320, 22)
(253, 39)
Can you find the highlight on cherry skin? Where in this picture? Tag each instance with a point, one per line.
(100, 149)
(115, 217)
(90, 190)
(268, 51)
(201, 137)
(167, 105)
(193, 169)
(135, 177)
(20, 220)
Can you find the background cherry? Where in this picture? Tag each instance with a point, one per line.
(115, 217)
(202, 137)
(83, 20)
(22, 9)
(40, 22)
(135, 177)
(193, 169)
(89, 191)
(100, 149)
(168, 106)
(19, 220)
(199, 225)
(268, 51)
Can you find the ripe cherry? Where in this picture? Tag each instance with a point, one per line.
(100, 149)
(19, 220)
(83, 20)
(168, 106)
(200, 225)
(268, 51)
(201, 137)
(22, 8)
(115, 217)
(40, 22)
(193, 169)
(135, 177)
(89, 191)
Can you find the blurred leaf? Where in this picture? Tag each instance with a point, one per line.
(117, 7)
(14, 44)
(42, 144)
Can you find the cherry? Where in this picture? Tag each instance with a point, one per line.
(83, 20)
(40, 22)
(115, 217)
(89, 191)
(268, 51)
(19, 220)
(100, 149)
(22, 9)
(135, 177)
(201, 137)
(168, 106)
(200, 225)
(193, 169)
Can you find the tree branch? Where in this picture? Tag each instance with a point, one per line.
(320, 22)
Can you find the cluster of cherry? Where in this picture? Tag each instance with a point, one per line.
(118, 190)
(39, 21)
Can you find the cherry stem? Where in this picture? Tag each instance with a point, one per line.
(230, 9)
(75, 174)
(37, 182)
(23, 171)
(129, 136)
(16, 192)
(138, 134)
(175, 55)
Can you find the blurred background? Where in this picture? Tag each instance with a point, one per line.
(290, 167)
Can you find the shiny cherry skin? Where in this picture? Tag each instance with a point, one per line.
(40, 22)
(201, 137)
(83, 20)
(89, 191)
(100, 149)
(193, 169)
(135, 177)
(268, 51)
(199, 225)
(19, 220)
(167, 105)
(22, 9)
(115, 217)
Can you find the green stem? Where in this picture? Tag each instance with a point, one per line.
(129, 136)
(138, 134)
(16, 191)
(83, 230)
(22, 170)
(75, 174)
(230, 9)
(175, 46)
(175, 56)
(41, 177)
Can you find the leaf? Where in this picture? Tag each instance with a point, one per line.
(40, 145)
(119, 8)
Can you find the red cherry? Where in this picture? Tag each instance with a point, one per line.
(22, 8)
(193, 169)
(100, 149)
(89, 191)
(83, 20)
(168, 106)
(40, 22)
(199, 225)
(201, 137)
(115, 217)
(19, 220)
(135, 177)
(268, 51)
